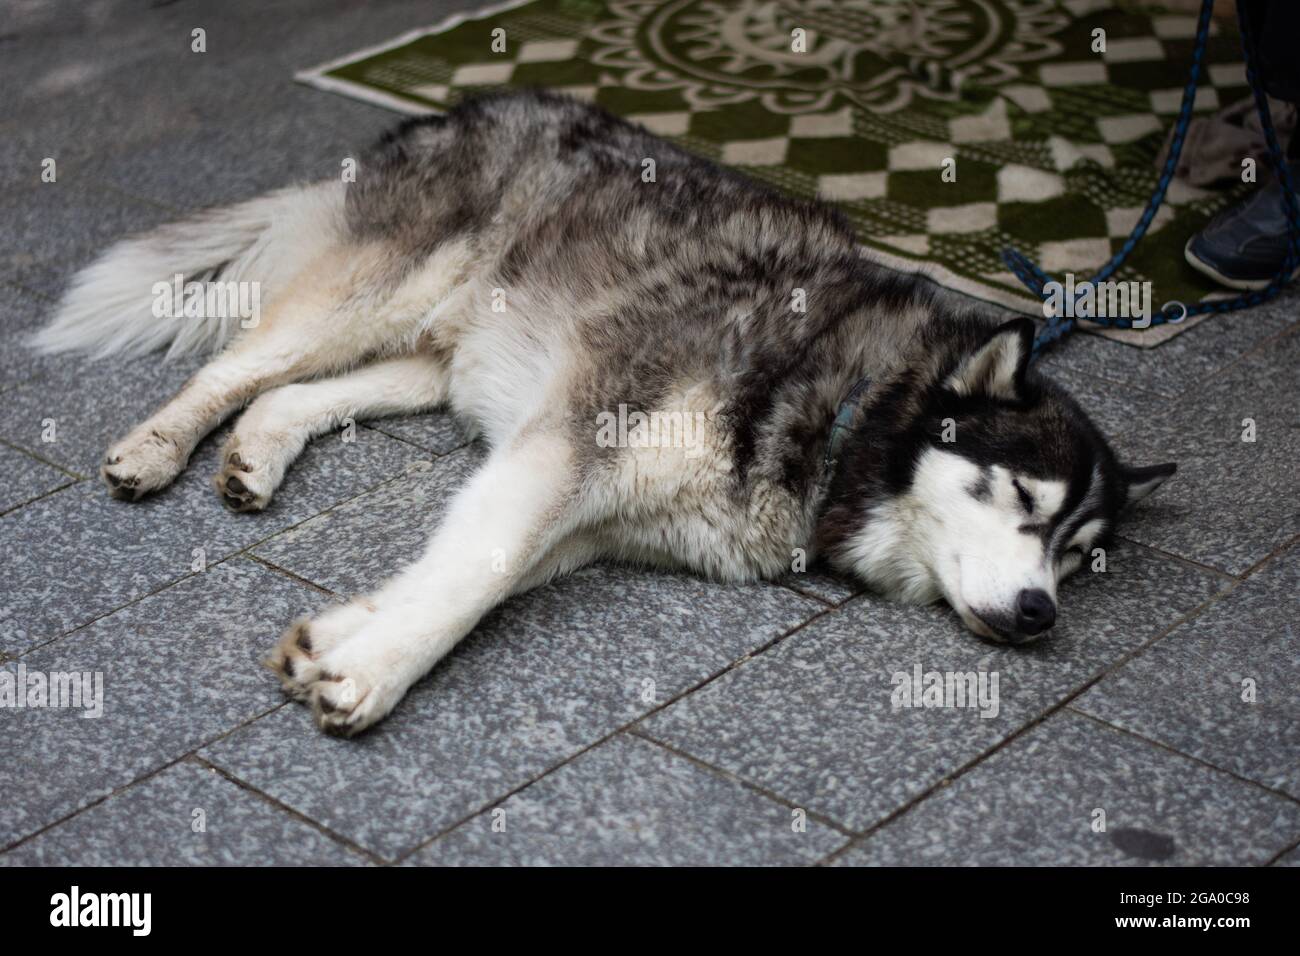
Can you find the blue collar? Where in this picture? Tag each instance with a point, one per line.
(844, 420)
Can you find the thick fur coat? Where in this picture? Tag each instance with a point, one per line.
(653, 348)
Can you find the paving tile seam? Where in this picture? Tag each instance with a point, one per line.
(1272, 340)
(1273, 555)
(1063, 703)
(80, 172)
(241, 553)
(50, 641)
(296, 578)
(1194, 384)
(94, 803)
(808, 594)
(1126, 388)
(728, 775)
(375, 425)
(44, 461)
(306, 582)
(1274, 861)
(496, 801)
(1189, 562)
(1182, 753)
(502, 798)
(193, 752)
(631, 726)
(36, 498)
(943, 783)
(244, 785)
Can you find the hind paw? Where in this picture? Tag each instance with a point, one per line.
(243, 484)
(140, 464)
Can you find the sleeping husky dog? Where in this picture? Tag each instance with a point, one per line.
(657, 352)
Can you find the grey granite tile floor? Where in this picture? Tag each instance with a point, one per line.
(1075, 792)
(616, 716)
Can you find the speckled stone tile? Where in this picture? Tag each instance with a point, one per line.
(1177, 367)
(1034, 803)
(90, 404)
(21, 313)
(26, 478)
(821, 582)
(383, 531)
(70, 66)
(294, 139)
(188, 815)
(303, 33)
(74, 556)
(49, 230)
(435, 432)
(1233, 502)
(812, 720)
(1291, 859)
(543, 677)
(183, 152)
(179, 668)
(143, 84)
(629, 802)
(1187, 690)
(1115, 409)
(78, 554)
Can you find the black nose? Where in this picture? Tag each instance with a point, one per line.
(1035, 611)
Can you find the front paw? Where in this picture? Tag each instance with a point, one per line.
(141, 463)
(323, 663)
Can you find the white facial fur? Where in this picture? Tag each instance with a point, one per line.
(964, 533)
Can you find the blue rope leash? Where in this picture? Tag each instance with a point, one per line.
(1035, 279)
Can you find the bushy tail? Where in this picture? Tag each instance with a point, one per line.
(109, 309)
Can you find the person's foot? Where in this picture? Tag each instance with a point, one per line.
(1245, 245)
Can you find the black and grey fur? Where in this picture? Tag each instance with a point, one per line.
(545, 269)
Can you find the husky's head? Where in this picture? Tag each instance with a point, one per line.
(972, 479)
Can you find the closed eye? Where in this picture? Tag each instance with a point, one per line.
(1026, 499)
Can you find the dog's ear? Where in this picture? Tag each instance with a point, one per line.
(1140, 482)
(996, 368)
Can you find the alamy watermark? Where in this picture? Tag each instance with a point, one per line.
(974, 690)
(133, 911)
(1105, 300)
(179, 299)
(83, 690)
(656, 429)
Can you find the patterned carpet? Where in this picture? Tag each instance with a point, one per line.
(945, 129)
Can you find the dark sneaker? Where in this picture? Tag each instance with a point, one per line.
(1244, 246)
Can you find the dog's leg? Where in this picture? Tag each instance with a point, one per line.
(332, 315)
(293, 340)
(355, 662)
(277, 426)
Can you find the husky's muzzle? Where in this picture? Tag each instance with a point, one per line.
(1033, 616)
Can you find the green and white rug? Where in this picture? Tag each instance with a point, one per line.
(865, 103)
